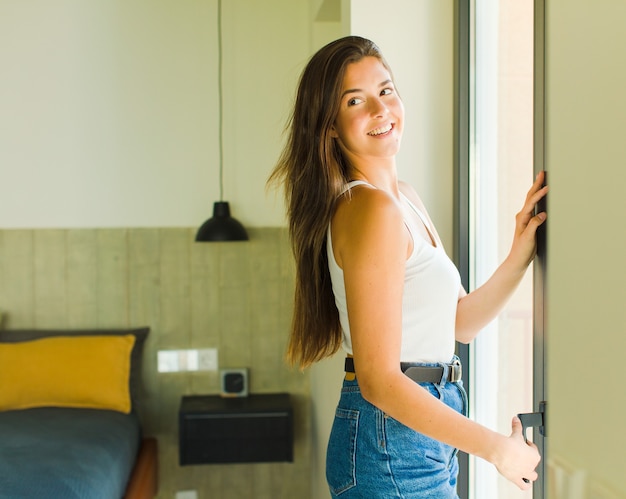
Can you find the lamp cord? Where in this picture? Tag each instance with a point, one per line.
(219, 93)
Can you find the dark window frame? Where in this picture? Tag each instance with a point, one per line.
(461, 222)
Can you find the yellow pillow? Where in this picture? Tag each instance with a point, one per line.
(62, 371)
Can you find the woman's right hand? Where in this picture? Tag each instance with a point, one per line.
(517, 459)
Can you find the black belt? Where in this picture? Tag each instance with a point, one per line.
(423, 374)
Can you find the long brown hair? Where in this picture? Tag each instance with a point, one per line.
(313, 172)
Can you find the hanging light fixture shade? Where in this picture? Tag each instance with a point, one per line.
(221, 226)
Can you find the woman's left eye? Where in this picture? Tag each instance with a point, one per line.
(386, 91)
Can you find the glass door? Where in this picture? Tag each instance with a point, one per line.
(502, 159)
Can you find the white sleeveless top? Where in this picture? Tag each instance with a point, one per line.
(431, 291)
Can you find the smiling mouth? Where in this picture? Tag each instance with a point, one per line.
(381, 130)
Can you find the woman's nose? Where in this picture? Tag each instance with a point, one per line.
(377, 107)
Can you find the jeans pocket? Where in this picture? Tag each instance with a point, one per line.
(341, 453)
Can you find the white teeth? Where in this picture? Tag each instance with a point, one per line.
(379, 131)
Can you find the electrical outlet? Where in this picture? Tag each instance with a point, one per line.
(187, 494)
(191, 359)
(207, 359)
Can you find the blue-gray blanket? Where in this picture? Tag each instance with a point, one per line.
(58, 453)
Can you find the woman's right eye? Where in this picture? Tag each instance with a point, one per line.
(354, 101)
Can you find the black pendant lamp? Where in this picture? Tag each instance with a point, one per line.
(221, 226)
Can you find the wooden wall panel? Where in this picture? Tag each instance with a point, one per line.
(49, 261)
(17, 277)
(112, 277)
(235, 297)
(81, 278)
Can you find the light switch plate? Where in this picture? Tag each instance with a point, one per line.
(171, 361)
(167, 361)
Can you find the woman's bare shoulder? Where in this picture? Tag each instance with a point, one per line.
(365, 218)
(366, 204)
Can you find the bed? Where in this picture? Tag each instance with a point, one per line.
(69, 424)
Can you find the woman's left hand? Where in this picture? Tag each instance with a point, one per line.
(524, 245)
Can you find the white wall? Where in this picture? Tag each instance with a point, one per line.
(109, 113)
(326, 375)
(585, 151)
(418, 45)
(109, 109)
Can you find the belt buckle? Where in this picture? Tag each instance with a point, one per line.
(456, 371)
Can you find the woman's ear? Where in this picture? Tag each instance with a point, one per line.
(333, 132)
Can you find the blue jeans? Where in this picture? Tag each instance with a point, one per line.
(372, 456)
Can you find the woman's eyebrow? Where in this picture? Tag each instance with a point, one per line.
(355, 90)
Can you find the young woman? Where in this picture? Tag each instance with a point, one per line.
(372, 276)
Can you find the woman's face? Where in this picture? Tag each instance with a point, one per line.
(371, 115)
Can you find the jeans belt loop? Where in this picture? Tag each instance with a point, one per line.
(446, 375)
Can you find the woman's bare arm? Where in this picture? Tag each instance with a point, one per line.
(371, 244)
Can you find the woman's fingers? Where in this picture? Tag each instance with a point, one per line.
(532, 200)
(536, 193)
(530, 475)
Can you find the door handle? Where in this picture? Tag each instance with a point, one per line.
(534, 420)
